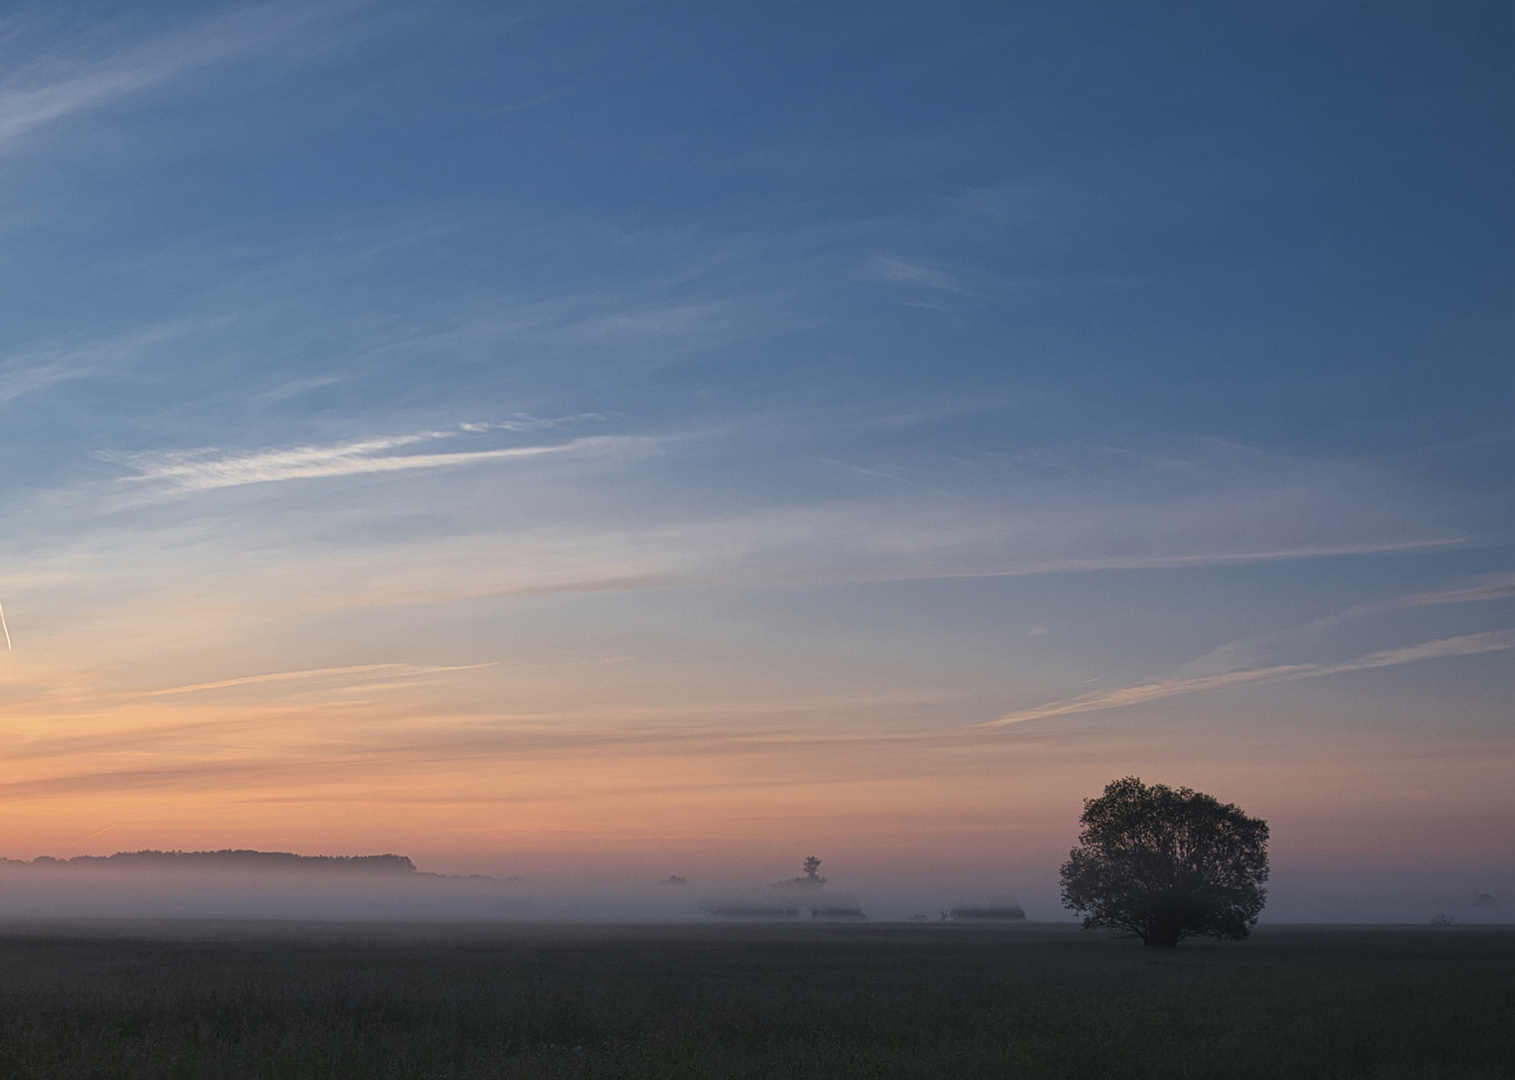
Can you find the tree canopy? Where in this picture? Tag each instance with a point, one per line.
(1164, 864)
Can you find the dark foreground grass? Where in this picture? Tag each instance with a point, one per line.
(756, 1002)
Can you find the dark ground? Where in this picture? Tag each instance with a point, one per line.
(165, 1000)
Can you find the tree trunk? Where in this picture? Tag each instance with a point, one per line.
(1163, 933)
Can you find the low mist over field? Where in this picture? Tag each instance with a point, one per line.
(390, 888)
(242, 884)
(282, 885)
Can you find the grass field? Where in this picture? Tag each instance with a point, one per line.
(449, 1003)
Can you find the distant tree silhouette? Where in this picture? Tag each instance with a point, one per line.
(1164, 864)
(240, 859)
(810, 879)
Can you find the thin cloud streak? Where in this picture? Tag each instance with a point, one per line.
(1467, 645)
(1500, 589)
(45, 364)
(1223, 558)
(339, 761)
(192, 471)
(712, 565)
(389, 670)
(41, 94)
(1249, 652)
(13, 384)
(1099, 701)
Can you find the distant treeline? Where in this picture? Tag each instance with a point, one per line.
(227, 859)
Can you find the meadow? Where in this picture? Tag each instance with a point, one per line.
(470, 1002)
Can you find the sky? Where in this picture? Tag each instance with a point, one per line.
(594, 442)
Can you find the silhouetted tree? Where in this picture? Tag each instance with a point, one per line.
(1164, 864)
(810, 879)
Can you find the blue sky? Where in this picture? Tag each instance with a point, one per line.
(734, 376)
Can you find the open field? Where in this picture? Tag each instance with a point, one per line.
(234, 1000)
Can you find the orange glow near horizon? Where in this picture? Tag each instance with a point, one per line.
(342, 762)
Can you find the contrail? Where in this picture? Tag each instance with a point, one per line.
(1100, 700)
(6, 628)
(378, 670)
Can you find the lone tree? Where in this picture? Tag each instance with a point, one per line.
(811, 878)
(1164, 864)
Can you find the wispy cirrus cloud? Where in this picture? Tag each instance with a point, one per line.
(1100, 700)
(295, 387)
(1202, 558)
(1500, 588)
(60, 84)
(43, 365)
(893, 268)
(1248, 652)
(20, 381)
(1243, 663)
(208, 468)
(313, 674)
